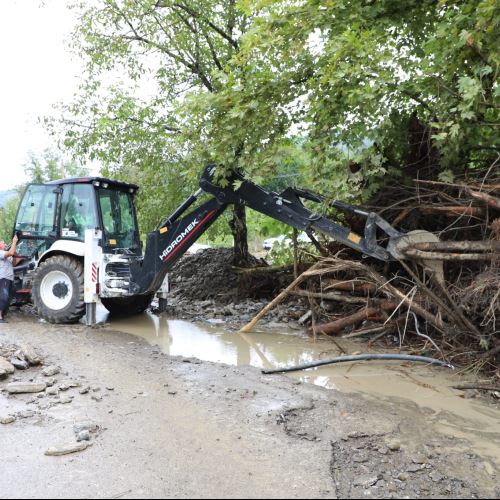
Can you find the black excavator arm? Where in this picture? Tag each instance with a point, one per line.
(177, 233)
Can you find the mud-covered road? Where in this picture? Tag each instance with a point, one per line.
(167, 426)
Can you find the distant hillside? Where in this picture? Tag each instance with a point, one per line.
(5, 196)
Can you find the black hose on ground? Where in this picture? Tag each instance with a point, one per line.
(361, 357)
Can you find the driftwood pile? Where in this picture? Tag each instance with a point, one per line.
(444, 293)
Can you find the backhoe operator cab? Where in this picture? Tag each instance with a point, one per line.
(80, 241)
(53, 220)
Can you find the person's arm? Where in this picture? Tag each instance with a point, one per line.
(12, 249)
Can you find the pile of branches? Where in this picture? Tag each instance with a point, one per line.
(441, 297)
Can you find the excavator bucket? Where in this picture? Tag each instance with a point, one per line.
(407, 240)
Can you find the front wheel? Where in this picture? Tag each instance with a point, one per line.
(127, 306)
(58, 290)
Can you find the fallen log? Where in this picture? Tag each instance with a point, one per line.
(353, 287)
(464, 246)
(339, 297)
(419, 254)
(452, 211)
(491, 201)
(305, 317)
(359, 316)
(487, 187)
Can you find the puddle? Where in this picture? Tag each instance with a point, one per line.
(426, 386)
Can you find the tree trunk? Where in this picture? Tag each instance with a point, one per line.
(238, 225)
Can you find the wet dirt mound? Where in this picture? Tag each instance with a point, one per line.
(208, 275)
(207, 287)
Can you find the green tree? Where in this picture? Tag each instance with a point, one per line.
(389, 87)
(50, 166)
(8, 216)
(171, 50)
(376, 90)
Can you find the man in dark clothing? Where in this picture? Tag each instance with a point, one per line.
(6, 275)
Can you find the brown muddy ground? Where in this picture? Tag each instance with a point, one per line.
(176, 427)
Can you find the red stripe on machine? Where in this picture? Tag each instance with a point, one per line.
(189, 236)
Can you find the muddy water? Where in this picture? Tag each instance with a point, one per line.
(428, 387)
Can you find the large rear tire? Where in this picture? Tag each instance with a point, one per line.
(58, 290)
(127, 306)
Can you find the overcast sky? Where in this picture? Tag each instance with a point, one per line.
(37, 71)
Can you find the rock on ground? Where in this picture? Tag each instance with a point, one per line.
(25, 387)
(9, 419)
(31, 355)
(6, 368)
(50, 371)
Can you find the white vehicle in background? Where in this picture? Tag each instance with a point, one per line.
(197, 247)
(283, 241)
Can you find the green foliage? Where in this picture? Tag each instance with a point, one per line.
(338, 95)
(8, 217)
(49, 166)
(164, 51)
(356, 77)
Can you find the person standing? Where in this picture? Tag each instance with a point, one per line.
(6, 275)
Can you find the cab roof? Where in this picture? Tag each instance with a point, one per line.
(92, 180)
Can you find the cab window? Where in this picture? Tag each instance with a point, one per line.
(78, 211)
(37, 212)
(118, 217)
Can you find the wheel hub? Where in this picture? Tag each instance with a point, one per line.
(60, 290)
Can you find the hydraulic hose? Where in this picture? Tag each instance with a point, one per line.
(361, 357)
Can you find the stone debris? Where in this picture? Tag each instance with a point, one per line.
(31, 355)
(20, 364)
(366, 481)
(52, 391)
(26, 414)
(83, 436)
(9, 419)
(87, 425)
(66, 385)
(67, 449)
(419, 459)
(50, 371)
(6, 368)
(25, 387)
(414, 467)
(394, 445)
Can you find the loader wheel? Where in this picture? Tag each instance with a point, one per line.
(127, 306)
(58, 290)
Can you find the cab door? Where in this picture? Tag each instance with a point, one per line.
(37, 218)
